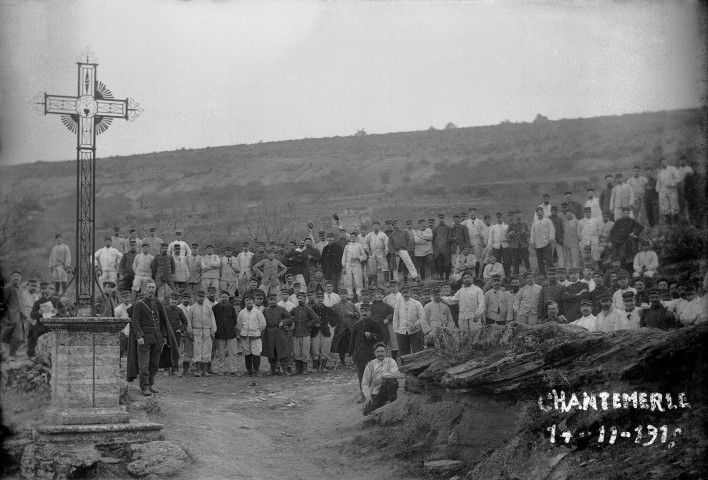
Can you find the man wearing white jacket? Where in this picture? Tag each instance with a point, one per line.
(107, 259)
(351, 265)
(376, 247)
(201, 326)
(423, 250)
(471, 301)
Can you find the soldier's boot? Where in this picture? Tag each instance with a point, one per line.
(205, 369)
(316, 365)
(185, 368)
(256, 364)
(323, 364)
(197, 369)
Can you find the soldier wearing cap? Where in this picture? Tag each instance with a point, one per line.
(623, 286)
(270, 271)
(244, 260)
(526, 303)
(518, 235)
(437, 316)
(441, 248)
(348, 316)
(304, 318)
(251, 324)
(624, 236)
(550, 292)
(458, 237)
(366, 333)
(118, 241)
(376, 246)
(609, 316)
(126, 276)
(107, 260)
(542, 238)
(498, 303)
(353, 274)
(630, 315)
(150, 332)
(587, 320)
(163, 270)
(107, 300)
(181, 273)
(657, 315)
(646, 262)
(465, 261)
(178, 321)
(153, 242)
(194, 267)
(331, 260)
(330, 297)
(276, 345)
(318, 281)
(201, 325)
(589, 231)
(423, 250)
(59, 261)
(321, 332)
(142, 268)
(400, 243)
(408, 317)
(228, 272)
(183, 247)
(471, 303)
(226, 336)
(572, 295)
(211, 267)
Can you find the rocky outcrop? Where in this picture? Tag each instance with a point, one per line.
(162, 459)
(493, 398)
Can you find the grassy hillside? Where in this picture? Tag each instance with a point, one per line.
(211, 191)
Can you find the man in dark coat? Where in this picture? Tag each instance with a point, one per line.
(39, 329)
(441, 248)
(226, 336)
(549, 293)
(331, 260)
(150, 331)
(656, 316)
(321, 333)
(348, 316)
(366, 334)
(623, 237)
(572, 294)
(275, 340)
(178, 321)
(107, 301)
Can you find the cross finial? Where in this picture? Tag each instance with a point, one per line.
(87, 56)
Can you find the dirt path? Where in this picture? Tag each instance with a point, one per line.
(269, 427)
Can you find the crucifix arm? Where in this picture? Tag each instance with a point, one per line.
(112, 108)
(59, 104)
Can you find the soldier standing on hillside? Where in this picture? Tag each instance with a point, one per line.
(125, 267)
(59, 261)
(244, 259)
(441, 249)
(228, 273)
(118, 242)
(184, 248)
(376, 247)
(622, 196)
(475, 227)
(194, 265)
(108, 259)
(667, 181)
(332, 260)
(211, 266)
(606, 195)
(153, 242)
(163, 269)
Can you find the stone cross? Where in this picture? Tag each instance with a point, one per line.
(87, 114)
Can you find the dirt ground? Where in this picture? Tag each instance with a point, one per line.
(269, 427)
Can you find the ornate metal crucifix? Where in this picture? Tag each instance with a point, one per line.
(89, 113)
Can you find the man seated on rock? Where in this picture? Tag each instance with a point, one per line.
(379, 385)
(552, 313)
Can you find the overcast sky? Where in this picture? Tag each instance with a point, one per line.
(211, 73)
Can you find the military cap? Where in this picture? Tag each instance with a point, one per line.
(353, 233)
(603, 297)
(152, 229)
(301, 294)
(272, 242)
(405, 288)
(297, 284)
(178, 230)
(209, 245)
(140, 296)
(496, 276)
(177, 246)
(513, 277)
(425, 291)
(328, 282)
(393, 282)
(165, 244)
(619, 175)
(518, 210)
(409, 222)
(622, 275)
(341, 291)
(211, 289)
(270, 250)
(253, 279)
(550, 269)
(654, 291)
(108, 283)
(540, 208)
(310, 291)
(174, 295)
(457, 215)
(587, 209)
(125, 293)
(133, 241)
(546, 195)
(272, 295)
(195, 244)
(319, 293)
(488, 216)
(262, 242)
(330, 234)
(627, 295)
(431, 220)
(441, 216)
(388, 222)
(376, 222)
(58, 235)
(259, 293)
(288, 275)
(187, 295)
(221, 292)
(467, 272)
(116, 228)
(573, 270)
(436, 291)
(201, 293)
(473, 209)
(528, 274)
(554, 208)
(511, 212)
(108, 238)
(586, 302)
(341, 228)
(228, 248)
(247, 296)
(445, 283)
(615, 258)
(625, 209)
(422, 220)
(365, 306)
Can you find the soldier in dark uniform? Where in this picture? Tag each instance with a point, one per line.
(106, 303)
(656, 316)
(331, 260)
(367, 332)
(573, 294)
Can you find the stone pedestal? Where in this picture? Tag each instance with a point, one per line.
(85, 408)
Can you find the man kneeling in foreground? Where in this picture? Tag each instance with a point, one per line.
(380, 381)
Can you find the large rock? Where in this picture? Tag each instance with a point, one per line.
(58, 462)
(157, 458)
(43, 351)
